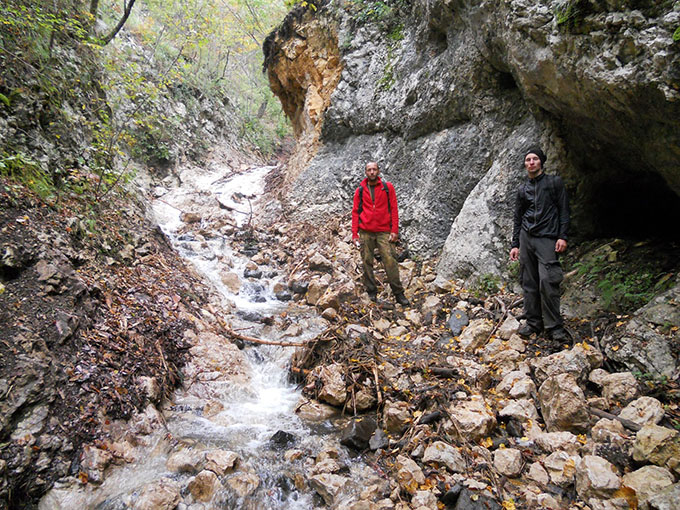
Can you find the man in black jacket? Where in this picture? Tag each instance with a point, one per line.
(541, 224)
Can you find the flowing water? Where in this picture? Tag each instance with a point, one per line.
(231, 400)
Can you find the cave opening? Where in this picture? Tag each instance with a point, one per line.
(636, 205)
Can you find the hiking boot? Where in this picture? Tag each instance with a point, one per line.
(559, 334)
(527, 330)
(401, 299)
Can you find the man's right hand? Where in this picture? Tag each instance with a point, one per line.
(357, 243)
(514, 254)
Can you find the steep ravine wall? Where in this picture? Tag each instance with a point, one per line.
(446, 95)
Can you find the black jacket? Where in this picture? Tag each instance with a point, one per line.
(541, 208)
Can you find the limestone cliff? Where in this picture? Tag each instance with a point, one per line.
(446, 95)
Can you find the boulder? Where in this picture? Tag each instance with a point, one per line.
(508, 462)
(577, 361)
(538, 474)
(320, 263)
(667, 499)
(220, 462)
(446, 455)
(608, 431)
(243, 484)
(313, 410)
(643, 411)
(358, 432)
(163, 494)
(561, 467)
(424, 500)
(333, 389)
(563, 404)
(396, 416)
(475, 334)
(619, 388)
(317, 287)
(364, 399)
(521, 410)
(204, 486)
(554, 441)
(185, 461)
(409, 475)
(471, 419)
(328, 486)
(508, 328)
(516, 384)
(596, 478)
(378, 440)
(647, 482)
(658, 445)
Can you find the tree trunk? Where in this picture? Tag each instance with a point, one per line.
(128, 9)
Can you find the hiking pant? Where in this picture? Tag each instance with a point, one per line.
(540, 276)
(381, 240)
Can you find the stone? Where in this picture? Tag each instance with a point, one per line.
(521, 410)
(94, 461)
(364, 399)
(357, 433)
(446, 455)
(204, 486)
(424, 500)
(658, 445)
(315, 411)
(457, 321)
(596, 478)
(409, 474)
(150, 387)
(508, 328)
(317, 287)
(538, 474)
(475, 334)
(516, 384)
(298, 286)
(471, 419)
(561, 467)
(252, 273)
(608, 431)
(396, 416)
(475, 373)
(333, 389)
(619, 388)
(577, 361)
(320, 263)
(282, 439)
(220, 462)
(563, 404)
(162, 494)
(508, 462)
(185, 461)
(597, 376)
(328, 486)
(554, 441)
(243, 484)
(329, 314)
(647, 482)
(643, 411)
(667, 499)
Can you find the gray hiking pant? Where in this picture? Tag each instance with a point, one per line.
(540, 276)
(381, 240)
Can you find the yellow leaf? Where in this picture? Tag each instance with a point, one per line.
(615, 348)
(487, 442)
(508, 504)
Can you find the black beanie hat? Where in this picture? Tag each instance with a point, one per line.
(536, 150)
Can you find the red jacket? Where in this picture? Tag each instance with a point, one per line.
(378, 216)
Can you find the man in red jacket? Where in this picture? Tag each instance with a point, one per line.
(375, 221)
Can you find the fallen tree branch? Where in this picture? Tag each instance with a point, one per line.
(626, 423)
(251, 339)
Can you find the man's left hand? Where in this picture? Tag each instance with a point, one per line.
(393, 237)
(560, 246)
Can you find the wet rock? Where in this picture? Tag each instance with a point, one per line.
(232, 282)
(578, 362)
(94, 461)
(596, 478)
(619, 388)
(457, 321)
(667, 499)
(250, 316)
(471, 419)
(643, 411)
(475, 334)
(328, 486)
(378, 440)
(516, 384)
(204, 486)
(283, 439)
(446, 455)
(508, 462)
(563, 404)
(312, 410)
(189, 217)
(358, 432)
(333, 389)
(409, 474)
(283, 295)
(243, 484)
(508, 328)
(647, 482)
(396, 416)
(185, 461)
(252, 273)
(561, 467)
(658, 445)
(163, 494)
(320, 263)
(298, 286)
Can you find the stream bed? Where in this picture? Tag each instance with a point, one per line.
(236, 405)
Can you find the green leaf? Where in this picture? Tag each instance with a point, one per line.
(4, 99)
(676, 34)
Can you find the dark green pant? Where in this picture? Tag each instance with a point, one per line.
(540, 275)
(381, 240)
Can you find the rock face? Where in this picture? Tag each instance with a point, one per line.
(446, 94)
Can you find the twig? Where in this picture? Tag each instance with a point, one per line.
(626, 423)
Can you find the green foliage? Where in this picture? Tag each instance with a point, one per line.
(5, 100)
(20, 168)
(387, 80)
(387, 14)
(513, 270)
(486, 285)
(676, 34)
(568, 12)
